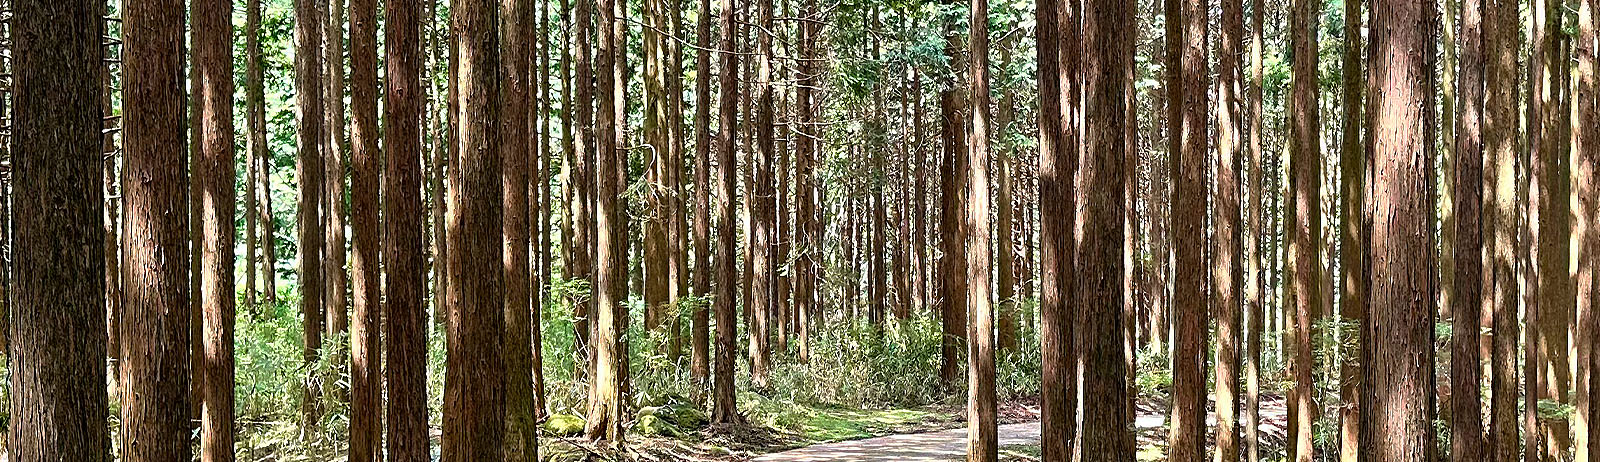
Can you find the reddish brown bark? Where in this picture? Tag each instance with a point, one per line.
(724, 408)
(1107, 33)
(366, 370)
(309, 172)
(405, 314)
(57, 325)
(474, 401)
(1466, 420)
(214, 53)
(155, 328)
(517, 346)
(1397, 352)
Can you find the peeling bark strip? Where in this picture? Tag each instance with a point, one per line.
(57, 330)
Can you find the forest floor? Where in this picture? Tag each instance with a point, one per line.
(932, 434)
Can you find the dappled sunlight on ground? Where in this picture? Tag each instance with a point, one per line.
(938, 446)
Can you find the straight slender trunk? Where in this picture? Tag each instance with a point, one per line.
(1352, 188)
(1586, 155)
(443, 146)
(1255, 290)
(540, 197)
(1227, 271)
(725, 409)
(405, 313)
(700, 343)
(309, 172)
(214, 55)
(982, 441)
(1501, 42)
(366, 371)
(336, 162)
(474, 401)
(809, 231)
(1305, 232)
(252, 241)
(1058, 60)
(516, 342)
(155, 328)
(953, 317)
(919, 160)
(605, 412)
(582, 201)
(1466, 419)
(762, 195)
(1397, 351)
(57, 326)
(1107, 32)
(1552, 184)
(1190, 186)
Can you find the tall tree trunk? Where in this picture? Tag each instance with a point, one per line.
(1501, 42)
(605, 392)
(725, 409)
(57, 326)
(581, 204)
(442, 154)
(919, 159)
(474, 401)
(1305, 233)
(1227, 272)
(1550, 175)
(155, 326)
(1058, 77)
(1189, 356)
(1005, 218)
(1255, 289)
(214, 55)
(982, 441)
(678, 229)
(515, 93)
(541, 198)
(252, 240)
(807, 207)
(309, 172)
(953, 317)
(700, 343)
(335, 161)
(405, 313)
(1107, 32)
(1586, 155)
(655, 223)
(1397, 352)
(366, 371)
(194, 236)
(1352, 283)
(762, 195)
(1466, 419)
(258, 204)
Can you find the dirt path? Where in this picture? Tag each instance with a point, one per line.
(951, 445)
(940, 446)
